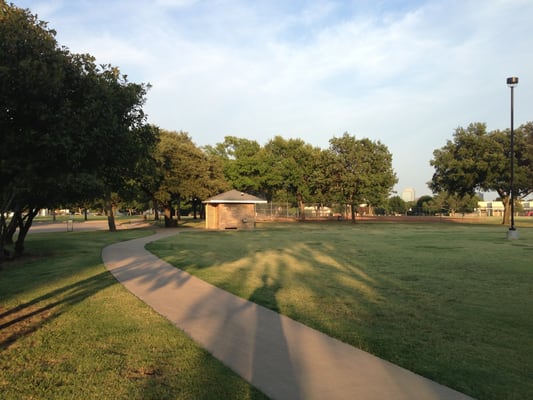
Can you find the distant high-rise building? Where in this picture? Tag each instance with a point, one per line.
(408, 194)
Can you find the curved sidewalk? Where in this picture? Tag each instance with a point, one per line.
(281, 357)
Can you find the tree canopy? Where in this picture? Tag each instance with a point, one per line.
(241, 165)
(186, 173)
(352, 171)
(478, 160)
(361, 171)
(289, 167)
(397, 205)
(69, 129)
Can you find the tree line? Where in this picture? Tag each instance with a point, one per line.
(74, 132)
(351, 171)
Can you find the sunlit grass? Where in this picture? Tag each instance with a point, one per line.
(68, 330)
(452, 302)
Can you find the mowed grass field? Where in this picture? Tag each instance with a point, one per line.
(69, 330)
(452, 302)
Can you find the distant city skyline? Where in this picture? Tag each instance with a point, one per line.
(406, 73)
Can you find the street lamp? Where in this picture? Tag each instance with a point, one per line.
(512, 82)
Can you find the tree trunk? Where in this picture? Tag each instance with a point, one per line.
(352, 212)
(111, 222)
(24, 227)
(301, 207)
(5, 206)
(202, 211)
(12, 227)
(169, 211)
(109, 211)
(178, 211)
(196, 207)
(4, 254)
(506, 210)
(156, 209)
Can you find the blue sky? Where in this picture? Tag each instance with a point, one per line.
(404, 72)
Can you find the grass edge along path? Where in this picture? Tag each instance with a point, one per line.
(70, 330)
(451, 302)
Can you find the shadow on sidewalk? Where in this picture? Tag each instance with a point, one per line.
(271, 359)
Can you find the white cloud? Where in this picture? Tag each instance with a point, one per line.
(175, 3)
(405, 75)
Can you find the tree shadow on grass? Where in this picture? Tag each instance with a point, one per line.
(24, 319)
(376, 295)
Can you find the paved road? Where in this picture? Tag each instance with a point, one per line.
(281, 357)
(95, 225)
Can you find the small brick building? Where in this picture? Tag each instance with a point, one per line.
(231, 210)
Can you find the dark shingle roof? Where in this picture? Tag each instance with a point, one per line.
(234, 196)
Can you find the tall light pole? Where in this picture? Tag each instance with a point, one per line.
(512, 82)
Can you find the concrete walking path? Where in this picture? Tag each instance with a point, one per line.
(84, 226)
(283, 358)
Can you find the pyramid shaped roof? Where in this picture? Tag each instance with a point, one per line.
(234, 196)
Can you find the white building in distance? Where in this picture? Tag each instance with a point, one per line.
(408, 194)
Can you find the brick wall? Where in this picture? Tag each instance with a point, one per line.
(230, 216)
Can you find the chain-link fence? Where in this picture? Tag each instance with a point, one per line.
(275, 211)
(283, 211)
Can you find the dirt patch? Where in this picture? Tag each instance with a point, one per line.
(20, 322)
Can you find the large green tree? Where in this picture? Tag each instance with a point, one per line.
(478, 160)
(452, 203)
(397, 205)
(69, 129)
(186, 173)
(241, 163)
(290, 165)
(361, 171)
(116, 137)
(34, 76)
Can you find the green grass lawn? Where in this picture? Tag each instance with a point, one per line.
(68, 330)
(452, 302)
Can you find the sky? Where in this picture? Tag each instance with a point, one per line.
(406, 73)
